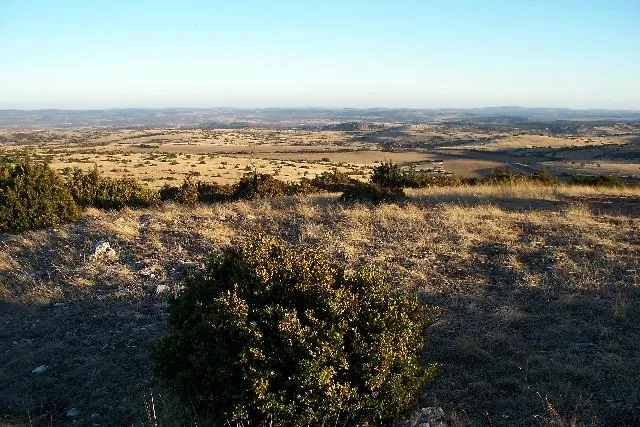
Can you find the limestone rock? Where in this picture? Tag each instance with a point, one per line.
(40, 369)
(104, 251)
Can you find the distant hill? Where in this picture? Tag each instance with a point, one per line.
(353, 126)
(312, 118)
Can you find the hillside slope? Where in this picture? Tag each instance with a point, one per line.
(540, 286)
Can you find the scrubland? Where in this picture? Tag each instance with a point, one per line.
(539, 286)
(538, 280)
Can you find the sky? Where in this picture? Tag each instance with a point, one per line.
(325, 53)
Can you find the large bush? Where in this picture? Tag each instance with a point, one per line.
(188, 193)
(506, 175)
(91, 189)
(254, 186)
(388, 174)
(32, 195)
(372, 193)
(597, 180)
(269, 332)
(211, 192)
(333, 181)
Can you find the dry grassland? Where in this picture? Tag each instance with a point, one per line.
(540, 289)
(160, 156)
(544, 141)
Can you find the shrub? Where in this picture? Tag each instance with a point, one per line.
(210, 192)
(391, 175)
(421, 180)
(91, 189)
(597, 180)
(544, 177)
(32, 196)
(333, 181)
(270, 332)
(188, 193)
(253, 186)
(371, 193)
(388, 174)
(305, 186)
(503, 175)
(169, 193)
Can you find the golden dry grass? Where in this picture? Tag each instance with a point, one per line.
(540, 288)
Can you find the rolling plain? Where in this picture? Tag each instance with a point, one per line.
(539, 285)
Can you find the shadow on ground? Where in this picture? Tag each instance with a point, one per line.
(96, 359)
(522, 355)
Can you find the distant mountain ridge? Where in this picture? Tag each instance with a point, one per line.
(338, 118)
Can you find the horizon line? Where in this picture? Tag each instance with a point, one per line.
(34, 109)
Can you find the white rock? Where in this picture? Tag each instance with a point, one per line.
(40, 369)
(103, 250)
(149, 271)
(73, 412)
(160, 289)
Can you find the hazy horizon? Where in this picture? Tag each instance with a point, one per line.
(79, 55)
(319, 107)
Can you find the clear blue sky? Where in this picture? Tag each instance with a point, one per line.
(422, 53)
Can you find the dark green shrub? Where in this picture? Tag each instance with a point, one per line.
(596, 180)
(421, 180)
(544, 177)
(251, 186)
(270, 332)
(388, 174)
(32, 195)
(210, 192)
(503, 175)
(188, 193)
(91, 189)
(506, 175)
(371, 193)
(169, 193)
(303, 187)
(254, 186)
(391, 175)
(333, 181)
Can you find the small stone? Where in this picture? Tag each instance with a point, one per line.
(103, 250)
(161, 289)
(507, 415)
(423, 425)
(432, 413)
(40, 369)
(59, 304)
(73, 412)
(149, 271)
